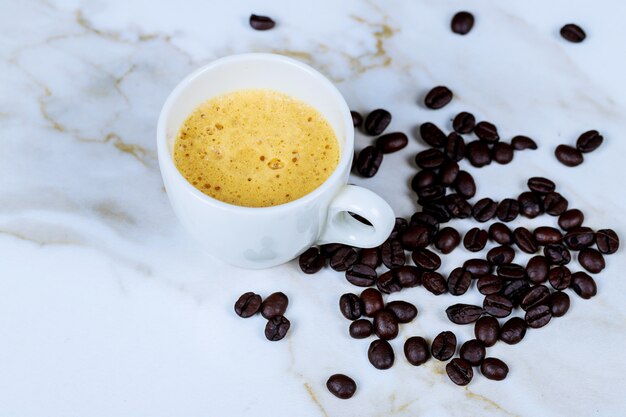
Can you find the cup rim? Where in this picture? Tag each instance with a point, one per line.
(166, 160)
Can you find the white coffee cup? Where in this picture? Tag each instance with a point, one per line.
(262, 237)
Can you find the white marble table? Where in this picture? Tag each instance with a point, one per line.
(107, 308)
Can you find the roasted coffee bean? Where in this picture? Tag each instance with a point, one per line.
(443, 346)
(525, 240)
(497, 305)
(573, 33)
(416, 350)
(248, 304)
(484, 209)
(426, 259)
(560, 277)
(311, 261)
(330, 248)
(475, 239)
(424, 178)
(343, 258)
(457, 206)
(454, 147)
(538, 316)
(559, 303)
(477, 267)
(414, 237)
(539, 294)
(399, 226)
(463, 313)
(478, 154)
(370, 257)
(432, 135)
(385, 324)
(583, 285)
(431, 193)
(541, 185)
(494, 369)
(473, 351)
(459, 281)
(464, 122)
(388, 283)
(571, 219)
(607, 241)
(350, 306)
(438, 211)
(427, 220)
(537, 269)
(554, 204)
(546, 235)
(508, 209)
(276, 328)
(529, 205)
(513, 331)
(462, 23)
(591, 260)
(520, 143)
(515, 290)
(487, 330)
(489, 284)
(360, 329)
(392, 253)
(511, 272)
(486, 132)
(274, 305)
(448, 172)
(261, 22)
(429, 158)
(438, 97)
(465, 185)
(372, 301)
(341, 386)
(407, 276)
(392, 142)
(568, 155)
(502, 153)
(501, 255)
(459, 371)
(405, 312)
(357, 119)
(377, 121)
(579, 238)
(368, 161)
(500, 233)
(557, 254)
(447, 239)
(380, 354)
(434, 282)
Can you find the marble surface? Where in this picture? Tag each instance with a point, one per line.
(108, 308)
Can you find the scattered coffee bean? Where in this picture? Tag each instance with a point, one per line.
(513, 331)
(537, 269)
(343, 258)
(560, 277)
(399, 226)
(464, 122)
(408, 276)
(357, 119)
(434, 282)
(443, 346)
(380, 354)
(475, 239)
(521, 143)
(579, 238)
(489, 284)
(438, 97)
(369, 160)
(311, 261)
(330, 248)
(571, 219)
(529, 205)
(457, 206)
(462, 23)
(465, 185)
(261, 22)
(508, 209)
(459, 281)
(426, 259)
(546, 235)
(502, 153)
(486, 132)
(525, 240)
(591, 260)
(388, 283)
(583, 285)
(454, 147)
(459, 371)
(501, 255)
(350, 306)
(360, 329)
(274, 305)
(539, 294)
(607, 241)
(573, 33)
(473, 351)
(554, 204)
(477, 267)
(438, 211)
(248, 304)
(477, 153)
(494, 369)
(361, 275)
(416, 350)
(429, 158)
(463, 313)
(370, 257)
(405, 312)
(392, 253)
(568, 155)
(511, 272)
(448, 172)
(484, 209)
(424, 178)
(276, 328)
(487, 330)
(538, 316)
(500, 233)
(417, 236)
(392, 142)
(559, 303)
(377, 121)
(372, 301)
(541, 185)
(497, 305)
(427, 220)
(385, 325)
(430, 193)
(432, 135)
(341, 386)
(447, 239)
(515, 290)
(557, 254)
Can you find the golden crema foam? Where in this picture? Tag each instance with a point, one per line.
(256, 148)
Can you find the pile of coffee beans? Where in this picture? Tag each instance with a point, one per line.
(273, 309)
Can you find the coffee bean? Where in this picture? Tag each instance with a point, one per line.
(484, 209)
(457, 206)
(360, 329)
(559, 303)
(560, 277)
(357, 119)
(385, 324)
(579, 238)
(537, 269)
(486, 132)
(487, 330)
(429, 158)
(465, 185)
(513, 331)
(424, 178)
(405, 312)
(525, 240)
(380, 354)
(463, 313)
(501, 255)
(274, 305)
(494, 369)
(341, 386)
(248, 304)
(500, 233)
(462, 23)
(555, 204)
(377, 121)
(350, 306)
(459, 281)
(416, 350)
(546, 235)
(330, 248)
(515, 290)
(434, 282)
(607, 241)
(541, 185)
(520, 143)
(568, 155)
(454, 147)
(414, 237)
(392, 253)
(370, 257)
(583, 285)
(431, 193)
(538, 316)
(392, 142)
(497, 305)
(573, 33)
(508, 209)
(511, 272)
(437, 210)
(407, 276)
(489, 284)
(539, 294)
(475, 239)
(443, 346)
(432, 135)
(343, 258)
(478, 154)
(477, 267)
(448, 172)
(529, 205)
(464, 122)
(459, 371)
(399, 226)
(438, 97)
(591, 260)
(447, 239)
(473, 351)
(426, 259)
(368, 161)
(425, 219)
(388, 283)
(311, 261)
(372, 301)
(571, 219)
(502, 153)
(261, 22)
(557, 254)
(276, 328)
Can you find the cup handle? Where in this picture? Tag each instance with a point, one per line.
(341, 227)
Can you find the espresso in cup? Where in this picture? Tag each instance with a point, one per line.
(256, 148)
